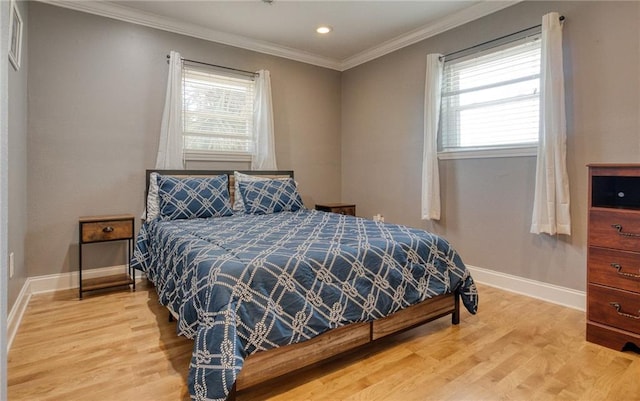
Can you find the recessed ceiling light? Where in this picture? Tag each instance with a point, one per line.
(323, 29)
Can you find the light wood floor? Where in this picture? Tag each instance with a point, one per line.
(120, 346)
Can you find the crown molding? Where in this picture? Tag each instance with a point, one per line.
(127, 14)
(452, 21)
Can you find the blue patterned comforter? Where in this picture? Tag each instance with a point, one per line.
(246, 283)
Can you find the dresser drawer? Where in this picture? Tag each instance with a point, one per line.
(615, 308)
(614, 229)
(106, 230)
(618, 269)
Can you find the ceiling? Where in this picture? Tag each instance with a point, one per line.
(362, 30)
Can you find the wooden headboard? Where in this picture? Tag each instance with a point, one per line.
(212, 173)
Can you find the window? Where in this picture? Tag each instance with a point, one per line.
(217, 115)
(490, 101)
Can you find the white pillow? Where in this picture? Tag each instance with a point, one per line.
(153, 201)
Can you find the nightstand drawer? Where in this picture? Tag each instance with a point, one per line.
(615, 308)
(615, 229)
(339, 208)
(619, 269)
(351, 210)
(107, 230)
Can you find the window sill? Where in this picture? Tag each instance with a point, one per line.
(486, 153)
(216, 156)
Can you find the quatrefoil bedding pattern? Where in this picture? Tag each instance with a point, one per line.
(246, 283)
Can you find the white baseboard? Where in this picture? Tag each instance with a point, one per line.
(17, 311)
(50, 283)
(535, 289)
(64, 281)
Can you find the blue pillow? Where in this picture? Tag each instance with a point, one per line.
(270, 196)
(190, 198)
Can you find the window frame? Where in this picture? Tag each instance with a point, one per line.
(523, 149)
(214, 155)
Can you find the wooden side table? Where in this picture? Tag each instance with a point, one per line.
(340, 208)
(95, 229)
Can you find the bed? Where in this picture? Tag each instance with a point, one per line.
(271, 286)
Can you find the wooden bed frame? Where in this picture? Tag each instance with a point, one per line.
(266, 365)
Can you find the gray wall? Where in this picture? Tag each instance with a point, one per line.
(17, 163)
(96, 93)
(487, 203)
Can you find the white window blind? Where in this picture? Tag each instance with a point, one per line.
(217, 112)
(490, 100)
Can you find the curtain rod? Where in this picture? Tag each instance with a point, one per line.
(251, 73)
(494, 40)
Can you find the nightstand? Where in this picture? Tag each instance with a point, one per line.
(340, 208)
(95, 229)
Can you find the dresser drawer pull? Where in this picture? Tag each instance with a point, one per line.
(619, 228)
(107, 229)
(619, 267)
(618, 307)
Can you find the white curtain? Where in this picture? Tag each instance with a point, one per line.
(551, 201)
(430, 173)
(264, 153)
(170, 155)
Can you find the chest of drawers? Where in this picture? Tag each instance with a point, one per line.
(613, 259)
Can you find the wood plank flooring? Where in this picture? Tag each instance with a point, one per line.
(118, 345)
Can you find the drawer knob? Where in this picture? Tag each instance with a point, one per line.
(619, 268)
(618, 307)
(107, 229)
(618, 227)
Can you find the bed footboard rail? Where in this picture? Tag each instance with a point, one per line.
(267, 365)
